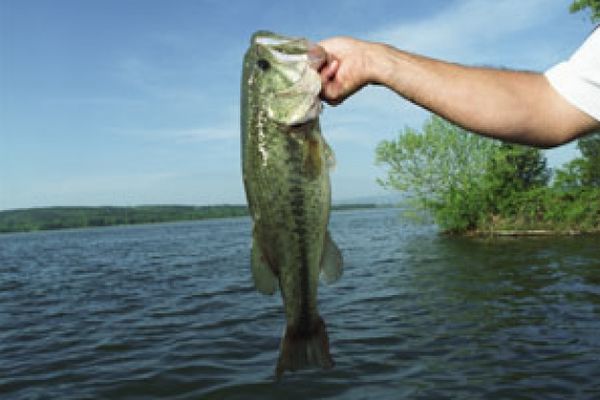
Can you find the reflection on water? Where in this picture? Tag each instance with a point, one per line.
(520, 313)
(168, 311)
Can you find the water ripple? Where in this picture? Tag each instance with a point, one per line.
(169, 311)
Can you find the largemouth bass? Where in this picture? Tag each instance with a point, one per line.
(285, 163)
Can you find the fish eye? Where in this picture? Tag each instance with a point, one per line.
(263, 64)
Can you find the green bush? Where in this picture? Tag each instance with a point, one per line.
(466, 182)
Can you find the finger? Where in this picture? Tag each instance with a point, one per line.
(328, 83)
(330, 93)
(332, 101)
(330, 69)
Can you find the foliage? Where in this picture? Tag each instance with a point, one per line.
(593, 5)
(467, 182)
(439, 165)
(470, 183)
(513, 169)
(590, 152)
(545, 208)
(583, 172)
(570, 177)
(80, 217)
(36, 219)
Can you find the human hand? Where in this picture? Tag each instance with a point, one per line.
(348, 68)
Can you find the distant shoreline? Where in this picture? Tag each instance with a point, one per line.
(70, 217)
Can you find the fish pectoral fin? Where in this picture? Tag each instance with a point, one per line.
(329, 156)
(331, 261)
(313, 162)
(265, 280)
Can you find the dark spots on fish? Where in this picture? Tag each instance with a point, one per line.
(297, 203)
(294, 158)
(297, 213)
(295, 181)
(304, 317)
(300, 230)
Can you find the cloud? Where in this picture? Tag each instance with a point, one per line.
(87, 189)
(465, 29)
(182, 136)
(481, 32)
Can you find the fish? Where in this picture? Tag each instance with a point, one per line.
(285, 169)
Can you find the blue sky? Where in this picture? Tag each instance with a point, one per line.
(126, 102)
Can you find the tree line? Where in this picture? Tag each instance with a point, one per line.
(48, 218)
(35, 219)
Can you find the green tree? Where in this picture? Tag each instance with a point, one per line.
(513, 170)
(592, 5)
(465, 181)
(516, 178)
(568, 179)
(521, 167)
(583, 172)
(589, 147)
(441, 169)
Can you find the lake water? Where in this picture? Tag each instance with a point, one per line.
(169, 311)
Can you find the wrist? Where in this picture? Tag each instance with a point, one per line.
(378, 63)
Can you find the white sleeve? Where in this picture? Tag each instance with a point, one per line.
(578, 79)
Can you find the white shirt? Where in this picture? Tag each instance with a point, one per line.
(578, 79)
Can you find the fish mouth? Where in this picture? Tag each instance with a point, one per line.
(289, 49)
(301, 60)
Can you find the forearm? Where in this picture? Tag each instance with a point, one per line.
(508, 105)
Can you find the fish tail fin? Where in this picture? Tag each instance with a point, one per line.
(304, 349)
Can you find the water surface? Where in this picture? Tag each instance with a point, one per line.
(169, 311)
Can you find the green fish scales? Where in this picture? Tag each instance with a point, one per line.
(285, 164)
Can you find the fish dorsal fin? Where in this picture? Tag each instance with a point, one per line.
(331, 261)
